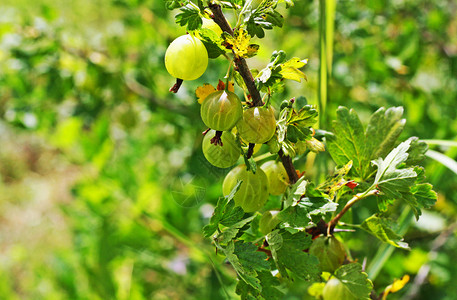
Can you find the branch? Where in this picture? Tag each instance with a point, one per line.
(331, 225)
(240, 62)
(243, 69)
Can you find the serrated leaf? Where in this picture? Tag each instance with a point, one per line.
(231, 232)
(300, 213)
(250, 258)
(287, 251)
(424, 194)
(269, 290)
(203, 91)
(307, 116)
(348, 142)
(355, 280)
(380, 228)
(389, 179)
(352, 142)
(416, 151)
(212, 42)
(224, 210)
(172, 4)
(247, 275)
(383, 130)
(290, 69)
(190, 17)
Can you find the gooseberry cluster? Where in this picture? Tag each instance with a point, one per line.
(231, 128)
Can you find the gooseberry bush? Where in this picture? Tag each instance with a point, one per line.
(271, 242)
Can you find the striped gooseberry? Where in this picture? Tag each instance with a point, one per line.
(221, 156)
(186, 58)
(268, 221)
(221, 110)
(335, 289)
(258, 125)
(277, 177)
(253, 192)
(330, 252)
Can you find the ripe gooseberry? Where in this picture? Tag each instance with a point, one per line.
(335, 289)
(258, 125)
(211, 25)
(277, 177)
(221, 156)
(253, 192)
(221, 110)
(186, 58)
(330, 252)
(268, 221)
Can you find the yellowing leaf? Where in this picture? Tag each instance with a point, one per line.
(290, 69)
(239, 43)
(397, 285)
(203, 91)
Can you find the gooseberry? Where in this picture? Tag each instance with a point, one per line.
(221, 110)
(253, 192)
(258, 125)
(221, 156)
(211, 25)
(268, 221)
(277, 177)
(330, 252)
(186, 58)
(334, 289)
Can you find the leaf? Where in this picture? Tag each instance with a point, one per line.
(307, 116)
(203, 91)
(287, 251)
(239, 43)
(225, 212)
(351, 142)
(250, 258)
(398, 182)
(190, 17)
(416, 151)
(268, 283)
(333, 184)
(355, 280)
(290, 69)
(380, 228)
(231, 232)
(212, 42)
(348, 141)
(247, 275)
(383, 130)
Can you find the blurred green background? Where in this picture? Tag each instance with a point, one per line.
(103, 186)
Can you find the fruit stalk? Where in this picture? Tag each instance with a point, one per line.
(243, 69)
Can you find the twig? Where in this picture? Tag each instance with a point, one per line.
(331, 225)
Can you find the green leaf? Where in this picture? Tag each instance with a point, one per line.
(307, 116)
(250, 258)
(225, 212)
(416, 151)
(287, 251)
(231, 232)
(351, 142)
(355, 280)
(380, 228)
(212, 42)
(190, 17)
(269, 290)
(249, 276)
(382, 131)
(348, 142)
(398, 182)
(172, 4)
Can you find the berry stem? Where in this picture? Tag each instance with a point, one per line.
(250, 150)
(176, 86)
(216, 140)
